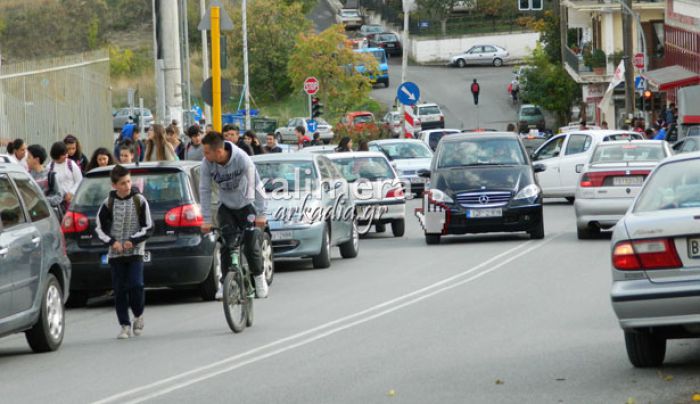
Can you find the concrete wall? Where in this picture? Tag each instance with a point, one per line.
(518, 45)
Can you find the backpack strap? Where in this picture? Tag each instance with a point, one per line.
(51, 181)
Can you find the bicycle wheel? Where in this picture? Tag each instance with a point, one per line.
(234, 299)
(249, 294)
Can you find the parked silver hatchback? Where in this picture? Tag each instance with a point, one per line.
(34, 269)
(656, 261)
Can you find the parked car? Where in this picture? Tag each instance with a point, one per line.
(301, 188)
(533, 141)
(4, 158)
(377, 191)
(574, 126)
(427, 115)
(611, 180)
(481, 55)
(690, 143)
(382, 76)
(123, 114)
(530, 117)
(432, 137)
(35, 273)
(656, 261)
(388, 41)
(177, 255)
(349, 18)
(407, 156)
(393, 123)
(481, 182)
(357, 120)
(562, 153)
(369, 29)
(286, 133)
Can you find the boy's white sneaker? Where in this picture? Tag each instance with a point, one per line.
(138, 325)
(261, 288)
(125, 332)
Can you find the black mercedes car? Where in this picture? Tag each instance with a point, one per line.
(479, 183)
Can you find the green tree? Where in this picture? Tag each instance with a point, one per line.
(325, 57)
(549, 85)
(272, 29)
(549, 27)
(306, 5)
(495, 9)
(439, 10)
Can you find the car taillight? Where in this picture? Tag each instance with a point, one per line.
(646, 254)
(74, 222)
(184, 216)
(395, 193)
(597, 179)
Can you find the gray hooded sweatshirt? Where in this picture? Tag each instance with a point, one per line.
(238, 182)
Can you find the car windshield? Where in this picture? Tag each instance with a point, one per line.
(475, 152)
(287, 175)
(434, 138)
(530, 111)
(349, 13)
(429, 110)
(620, 153)
(623, 136)
(387, 38)
(159, 188)
(672, 186)
(373, 28)
(359, 119)
(367, 168)
(405, 150)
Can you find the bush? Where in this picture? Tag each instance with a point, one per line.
(367, 132)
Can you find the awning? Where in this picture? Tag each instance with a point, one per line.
(670, 77)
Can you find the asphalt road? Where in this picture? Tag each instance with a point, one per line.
(477, 319)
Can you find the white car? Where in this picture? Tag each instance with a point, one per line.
(481, 55)
(286, 133)
(427, 115)
(407, 156)
(377, 190)
(350, 18)
(4, 158)
(393, 121)
(432, 137)
(564, 155)
(325, 149)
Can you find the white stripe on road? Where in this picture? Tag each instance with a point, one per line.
(212, 372)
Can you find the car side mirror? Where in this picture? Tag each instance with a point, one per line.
(538, 168)
(579, 168)
(424, 173)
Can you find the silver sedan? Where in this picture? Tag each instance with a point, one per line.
(656, 261)
(611, 180)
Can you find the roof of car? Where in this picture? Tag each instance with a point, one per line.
(426, 104)
(355, 154)
(472, 135)
(11, 168)
(183, 165)
(695, 155)
(633, 141)
(429, 131)
(388, 141)
(284, 157)
(356, 113)
(601, 132)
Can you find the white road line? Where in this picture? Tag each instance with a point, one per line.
(213, 372)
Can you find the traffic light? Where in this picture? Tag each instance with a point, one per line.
(316, 107)
(647, 99)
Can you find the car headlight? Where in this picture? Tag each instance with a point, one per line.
(529, 192)
(435, 195)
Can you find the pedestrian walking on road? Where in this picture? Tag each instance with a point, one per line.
(233, 134)
(100, 158)
(157, 147)
(17, 150)
(173, 137)
(124, 223)
(302, 139)
(68, 173)
(194, 150)
(75, 152)
(126, 152)
(271, 145)
(251, 139)
(36, 157)
(475, 88)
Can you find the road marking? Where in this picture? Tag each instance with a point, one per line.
(212, 372)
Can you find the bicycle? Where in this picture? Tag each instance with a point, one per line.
(237, 285)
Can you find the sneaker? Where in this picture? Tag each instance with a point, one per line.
(125, 332)
(219, 293)
(260, 286)
(138, 325)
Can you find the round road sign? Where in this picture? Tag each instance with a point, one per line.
(311, 85)
(638, 60)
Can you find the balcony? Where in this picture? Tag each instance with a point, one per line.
(582, 73)
(599, 5)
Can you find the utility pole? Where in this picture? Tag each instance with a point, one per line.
(628, 49)
(185, 62)
(407, 7)
(246, 78)
(562, 16)
(216, 67)
(167, 38)
(205, 57)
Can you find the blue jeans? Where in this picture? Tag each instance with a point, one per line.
(127, 282)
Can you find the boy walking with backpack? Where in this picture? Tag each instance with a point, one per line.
(124, 223)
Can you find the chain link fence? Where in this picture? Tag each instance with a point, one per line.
(42, 101)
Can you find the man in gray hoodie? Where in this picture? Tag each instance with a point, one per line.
(241, 207)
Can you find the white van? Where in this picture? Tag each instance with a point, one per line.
(564, 152)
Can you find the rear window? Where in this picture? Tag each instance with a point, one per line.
(430, 110)
(158, 188)
(531, 111)
(368, 168)
(434, 139)
(623, 153)
(362, 119)
(672, 186)
(623, 136)
(387, 38)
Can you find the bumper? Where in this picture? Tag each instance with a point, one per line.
(605, 212)
(432, 125)
(418, 184)
(641, 303)
(295, 241)
(455, 221)
(174, 264)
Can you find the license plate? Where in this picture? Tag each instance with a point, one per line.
(627, 181)
(694, 247)
(390, 45)
(418, 180)
(282, 235)
(479, 213)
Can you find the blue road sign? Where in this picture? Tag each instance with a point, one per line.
(311, 125)
(408, 93)
(639, 83)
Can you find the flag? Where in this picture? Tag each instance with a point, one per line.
(618, 78)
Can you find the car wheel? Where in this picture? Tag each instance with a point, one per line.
(498, 62)
(350, 248)
(461, 63)
(268, 259)
(323, 259)
(380, 227)
(587, 233)
(431, 239)
(210, 286)
(398, 227)
(386, 83)
(77, 299)
(644, 349)
(570, 199)
(47, 334)
(537, 232)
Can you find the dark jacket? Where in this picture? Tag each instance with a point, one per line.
(111, 225)
(245, 147)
